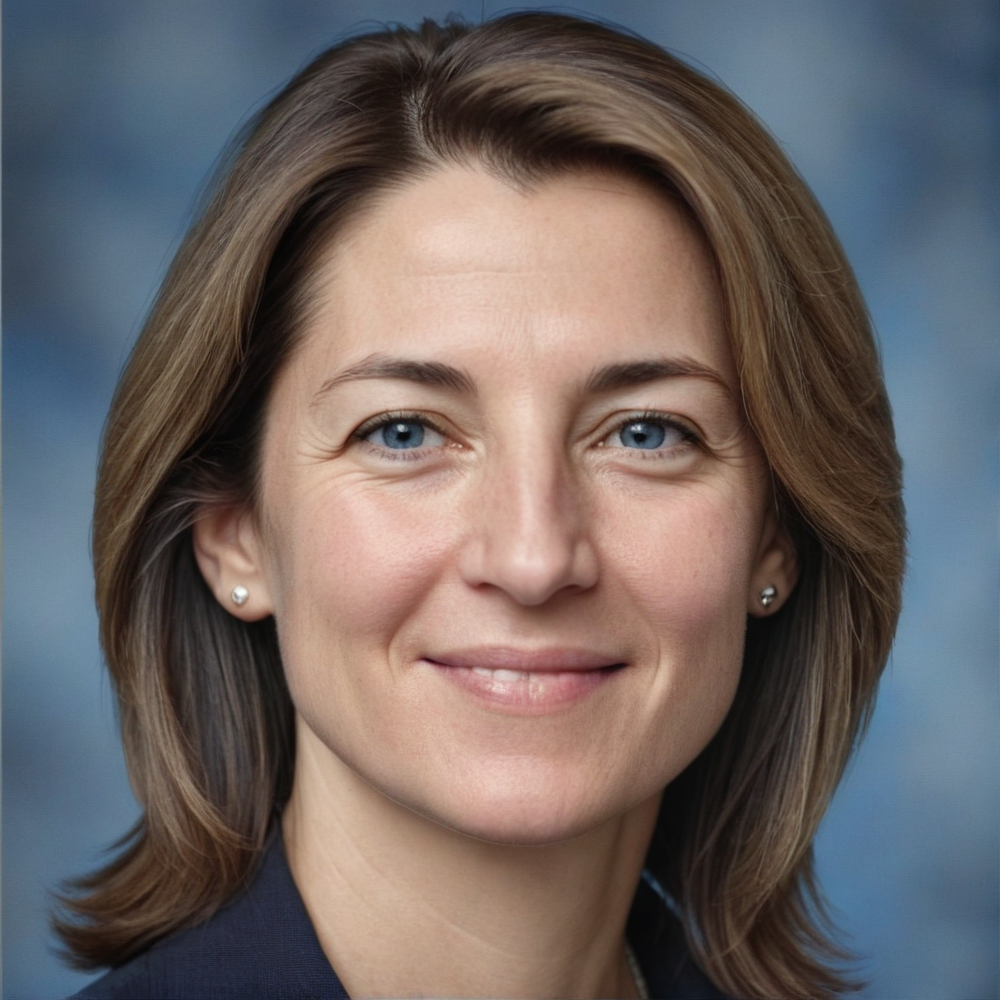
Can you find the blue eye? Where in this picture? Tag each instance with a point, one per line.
(400, 434)
(645, 434)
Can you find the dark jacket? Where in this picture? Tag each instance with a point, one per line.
(262, 945)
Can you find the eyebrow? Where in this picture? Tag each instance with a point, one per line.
(384, 366)
(623, 376)
(606, 379)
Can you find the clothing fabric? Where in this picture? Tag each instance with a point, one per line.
(262, 946)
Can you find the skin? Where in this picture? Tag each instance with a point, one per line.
(448, 842)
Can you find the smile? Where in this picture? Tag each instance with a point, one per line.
(526, 681)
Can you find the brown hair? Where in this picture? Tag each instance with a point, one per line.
(204, 710)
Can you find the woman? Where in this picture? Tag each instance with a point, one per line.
(498, 541)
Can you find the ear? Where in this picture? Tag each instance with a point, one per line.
(228, 549)
(777, 568)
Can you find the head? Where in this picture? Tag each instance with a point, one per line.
(511, 428)
(532, 215)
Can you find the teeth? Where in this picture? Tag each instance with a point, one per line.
(502, 675)
(508, 675)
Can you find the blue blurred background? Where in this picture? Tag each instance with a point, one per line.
(115, 110)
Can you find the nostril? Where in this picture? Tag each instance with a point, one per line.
(531, 575)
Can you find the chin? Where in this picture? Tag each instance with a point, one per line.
(521, 824)
(519, 811)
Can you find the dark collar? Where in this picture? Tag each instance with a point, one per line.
(262, 945)
(259, 945)
(657, 938)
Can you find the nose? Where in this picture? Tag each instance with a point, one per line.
(530, 532)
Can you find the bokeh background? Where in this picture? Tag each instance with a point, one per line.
(114, 111)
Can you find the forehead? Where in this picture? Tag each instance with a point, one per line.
(598, 265)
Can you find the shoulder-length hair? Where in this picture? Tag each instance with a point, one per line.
(205, 714)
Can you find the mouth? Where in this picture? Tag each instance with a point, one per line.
(526, 681)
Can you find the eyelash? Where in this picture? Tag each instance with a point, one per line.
(403, 416)
(688, 436)
(396, 417)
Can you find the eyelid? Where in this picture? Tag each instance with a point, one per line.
(422, 453)
(396, 416)
(689, 433)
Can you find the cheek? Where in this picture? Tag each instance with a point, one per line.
(686, 559)
(353, 564)
(684, 566)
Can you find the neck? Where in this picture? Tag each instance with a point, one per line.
(403, 906)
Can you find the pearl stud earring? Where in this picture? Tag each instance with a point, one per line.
(767, 595)
(240, 595)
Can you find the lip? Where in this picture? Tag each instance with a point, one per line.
(551, 659)
(530, 681)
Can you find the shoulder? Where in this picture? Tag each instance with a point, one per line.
(261, 944)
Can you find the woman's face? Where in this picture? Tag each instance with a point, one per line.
(512, 519)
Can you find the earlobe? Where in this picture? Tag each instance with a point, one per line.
(228, 551)
(776, 572)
